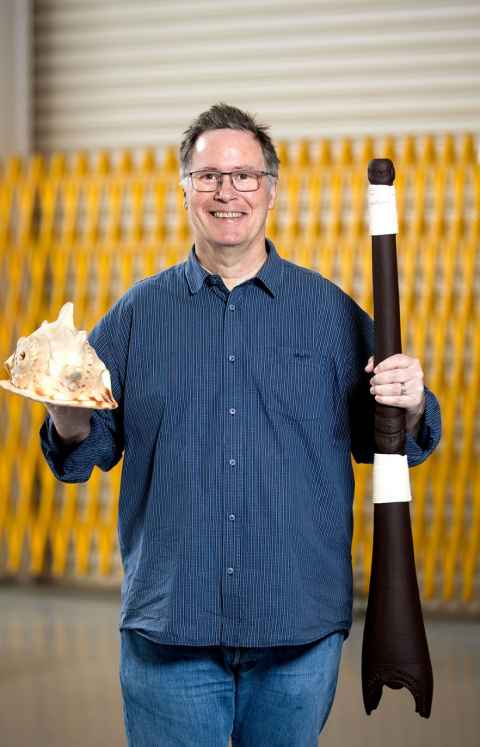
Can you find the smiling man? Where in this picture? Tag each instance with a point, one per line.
(229, 191)
(243, 388)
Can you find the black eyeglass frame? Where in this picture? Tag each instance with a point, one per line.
(258, 174)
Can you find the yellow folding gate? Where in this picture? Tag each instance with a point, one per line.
(86, 228)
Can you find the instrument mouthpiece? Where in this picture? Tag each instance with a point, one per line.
(381, 171)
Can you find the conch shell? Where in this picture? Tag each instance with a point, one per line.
(57, 362)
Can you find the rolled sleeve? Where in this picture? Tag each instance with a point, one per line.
(74, 462)
(419, 447)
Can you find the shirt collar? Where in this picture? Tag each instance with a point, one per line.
(269, 275)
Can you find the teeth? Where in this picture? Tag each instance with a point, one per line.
(227, 215)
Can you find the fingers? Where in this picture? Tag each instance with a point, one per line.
(396, 402)
(58, 409)
(369, 366)
(397, 381)
(67, 412)
(396, 375)
(409, 395)
(399, 360)
(397, 389)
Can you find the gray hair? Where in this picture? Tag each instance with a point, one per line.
(220, 117)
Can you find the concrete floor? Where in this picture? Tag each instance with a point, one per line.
(59, 653)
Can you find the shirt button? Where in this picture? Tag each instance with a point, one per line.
(232, 462)
(231, 357)
(232, 411)
(232, 517)
(229, 571)
(232, 307)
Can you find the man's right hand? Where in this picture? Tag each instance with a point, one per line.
(71, 423)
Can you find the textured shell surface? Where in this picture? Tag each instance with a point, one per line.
(57, 361)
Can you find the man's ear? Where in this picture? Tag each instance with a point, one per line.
(185, 204)
(273, 194)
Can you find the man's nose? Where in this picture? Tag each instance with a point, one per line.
(225, 188)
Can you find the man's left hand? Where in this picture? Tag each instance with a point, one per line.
(398, 381)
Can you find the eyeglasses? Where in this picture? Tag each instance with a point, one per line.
(243, 181)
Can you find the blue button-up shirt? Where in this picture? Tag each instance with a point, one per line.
(238, 414)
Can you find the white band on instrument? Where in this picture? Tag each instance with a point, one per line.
(391, 479)
(382, 209)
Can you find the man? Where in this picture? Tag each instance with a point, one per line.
(243, 385)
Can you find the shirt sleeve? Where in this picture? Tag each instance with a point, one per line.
(104, 446)
(362, 405)
(75, 462)
(429, 433)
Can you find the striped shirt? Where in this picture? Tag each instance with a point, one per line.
(238, 414)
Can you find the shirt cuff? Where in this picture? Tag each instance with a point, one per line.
(70, 462)
(419, 447)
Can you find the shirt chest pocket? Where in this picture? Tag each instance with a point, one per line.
(299, 383)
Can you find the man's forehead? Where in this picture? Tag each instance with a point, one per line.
(229, 144)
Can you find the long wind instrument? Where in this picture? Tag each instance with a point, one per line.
(395, 650)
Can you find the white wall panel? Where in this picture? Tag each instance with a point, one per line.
(15, 79)
(115, 74)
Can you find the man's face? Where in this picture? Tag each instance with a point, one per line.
(226, 217)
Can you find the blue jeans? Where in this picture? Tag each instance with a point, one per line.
(197, 696)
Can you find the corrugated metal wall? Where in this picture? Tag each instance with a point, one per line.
(113, 74)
